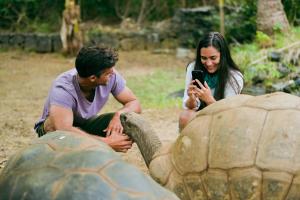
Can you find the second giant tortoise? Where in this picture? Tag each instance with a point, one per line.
(242, 147)
(68, 166)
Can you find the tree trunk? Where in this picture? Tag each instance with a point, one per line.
(142, 13)
(222, 20)
(122, 10)
(271, 16)
(183, 3)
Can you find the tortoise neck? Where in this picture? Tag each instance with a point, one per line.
(142, 133)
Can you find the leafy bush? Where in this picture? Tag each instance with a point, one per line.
(263, 39)
(240, 21)
(245, 55)
(266, 71)
(26, 15)
(292, 8)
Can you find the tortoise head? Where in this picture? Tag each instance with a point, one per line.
(142, 133)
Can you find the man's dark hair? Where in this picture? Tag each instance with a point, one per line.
(93, 60)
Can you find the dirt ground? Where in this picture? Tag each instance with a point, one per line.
(25, 79)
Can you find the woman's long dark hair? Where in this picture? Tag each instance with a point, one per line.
(216, 40)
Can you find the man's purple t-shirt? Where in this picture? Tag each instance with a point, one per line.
(65, 92)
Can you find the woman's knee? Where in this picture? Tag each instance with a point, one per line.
(184, 118)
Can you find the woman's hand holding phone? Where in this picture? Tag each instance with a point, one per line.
(197, 78)
(191, 90)
(198, 75)
(202, 92)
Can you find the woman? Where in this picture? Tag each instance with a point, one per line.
(221, 75)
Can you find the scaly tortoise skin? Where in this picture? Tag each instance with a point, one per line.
(67, 166)
(242, 147)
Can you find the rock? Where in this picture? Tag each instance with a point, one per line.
(274, 56)
(4, 40)
(283, 69)
(254, 90)
(30, 42)
(137, 43)
(43, 43)
(176, 94)
(17, 40)
(56, 43)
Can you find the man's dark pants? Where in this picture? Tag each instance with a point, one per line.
(94, 125)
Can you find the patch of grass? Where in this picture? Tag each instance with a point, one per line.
(153, 90)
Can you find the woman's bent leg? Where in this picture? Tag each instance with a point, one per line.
(184, 118)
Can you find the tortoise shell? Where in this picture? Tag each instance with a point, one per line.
(63, 165)
(242, 147)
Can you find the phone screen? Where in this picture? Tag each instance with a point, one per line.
(198, 74)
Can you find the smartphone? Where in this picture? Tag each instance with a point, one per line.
(198, 74)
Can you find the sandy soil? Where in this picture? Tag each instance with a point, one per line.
(26, 77)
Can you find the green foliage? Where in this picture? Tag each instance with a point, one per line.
(282, 39)
(24, 15)
(93, 32)
(267, 70)
(277, 27)
(243, 55)
(240, 20)
(263, 39)
(296, 31)
(292, 8)
(153, 89)
(238, 2)
(102, 10)
(246, 54)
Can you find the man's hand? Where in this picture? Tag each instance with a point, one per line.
(114, 125)
(130, 104)
(119, 142)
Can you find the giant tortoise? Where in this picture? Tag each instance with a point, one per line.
(67, 166)
(242, 147)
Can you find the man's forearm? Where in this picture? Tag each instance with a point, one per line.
(132, 106)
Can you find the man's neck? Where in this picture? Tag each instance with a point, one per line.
(84, 84)
(85, 88)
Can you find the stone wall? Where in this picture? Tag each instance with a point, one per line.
(41, 43)
(183, 30)
(133, 40)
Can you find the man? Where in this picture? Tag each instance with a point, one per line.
(79, 94)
